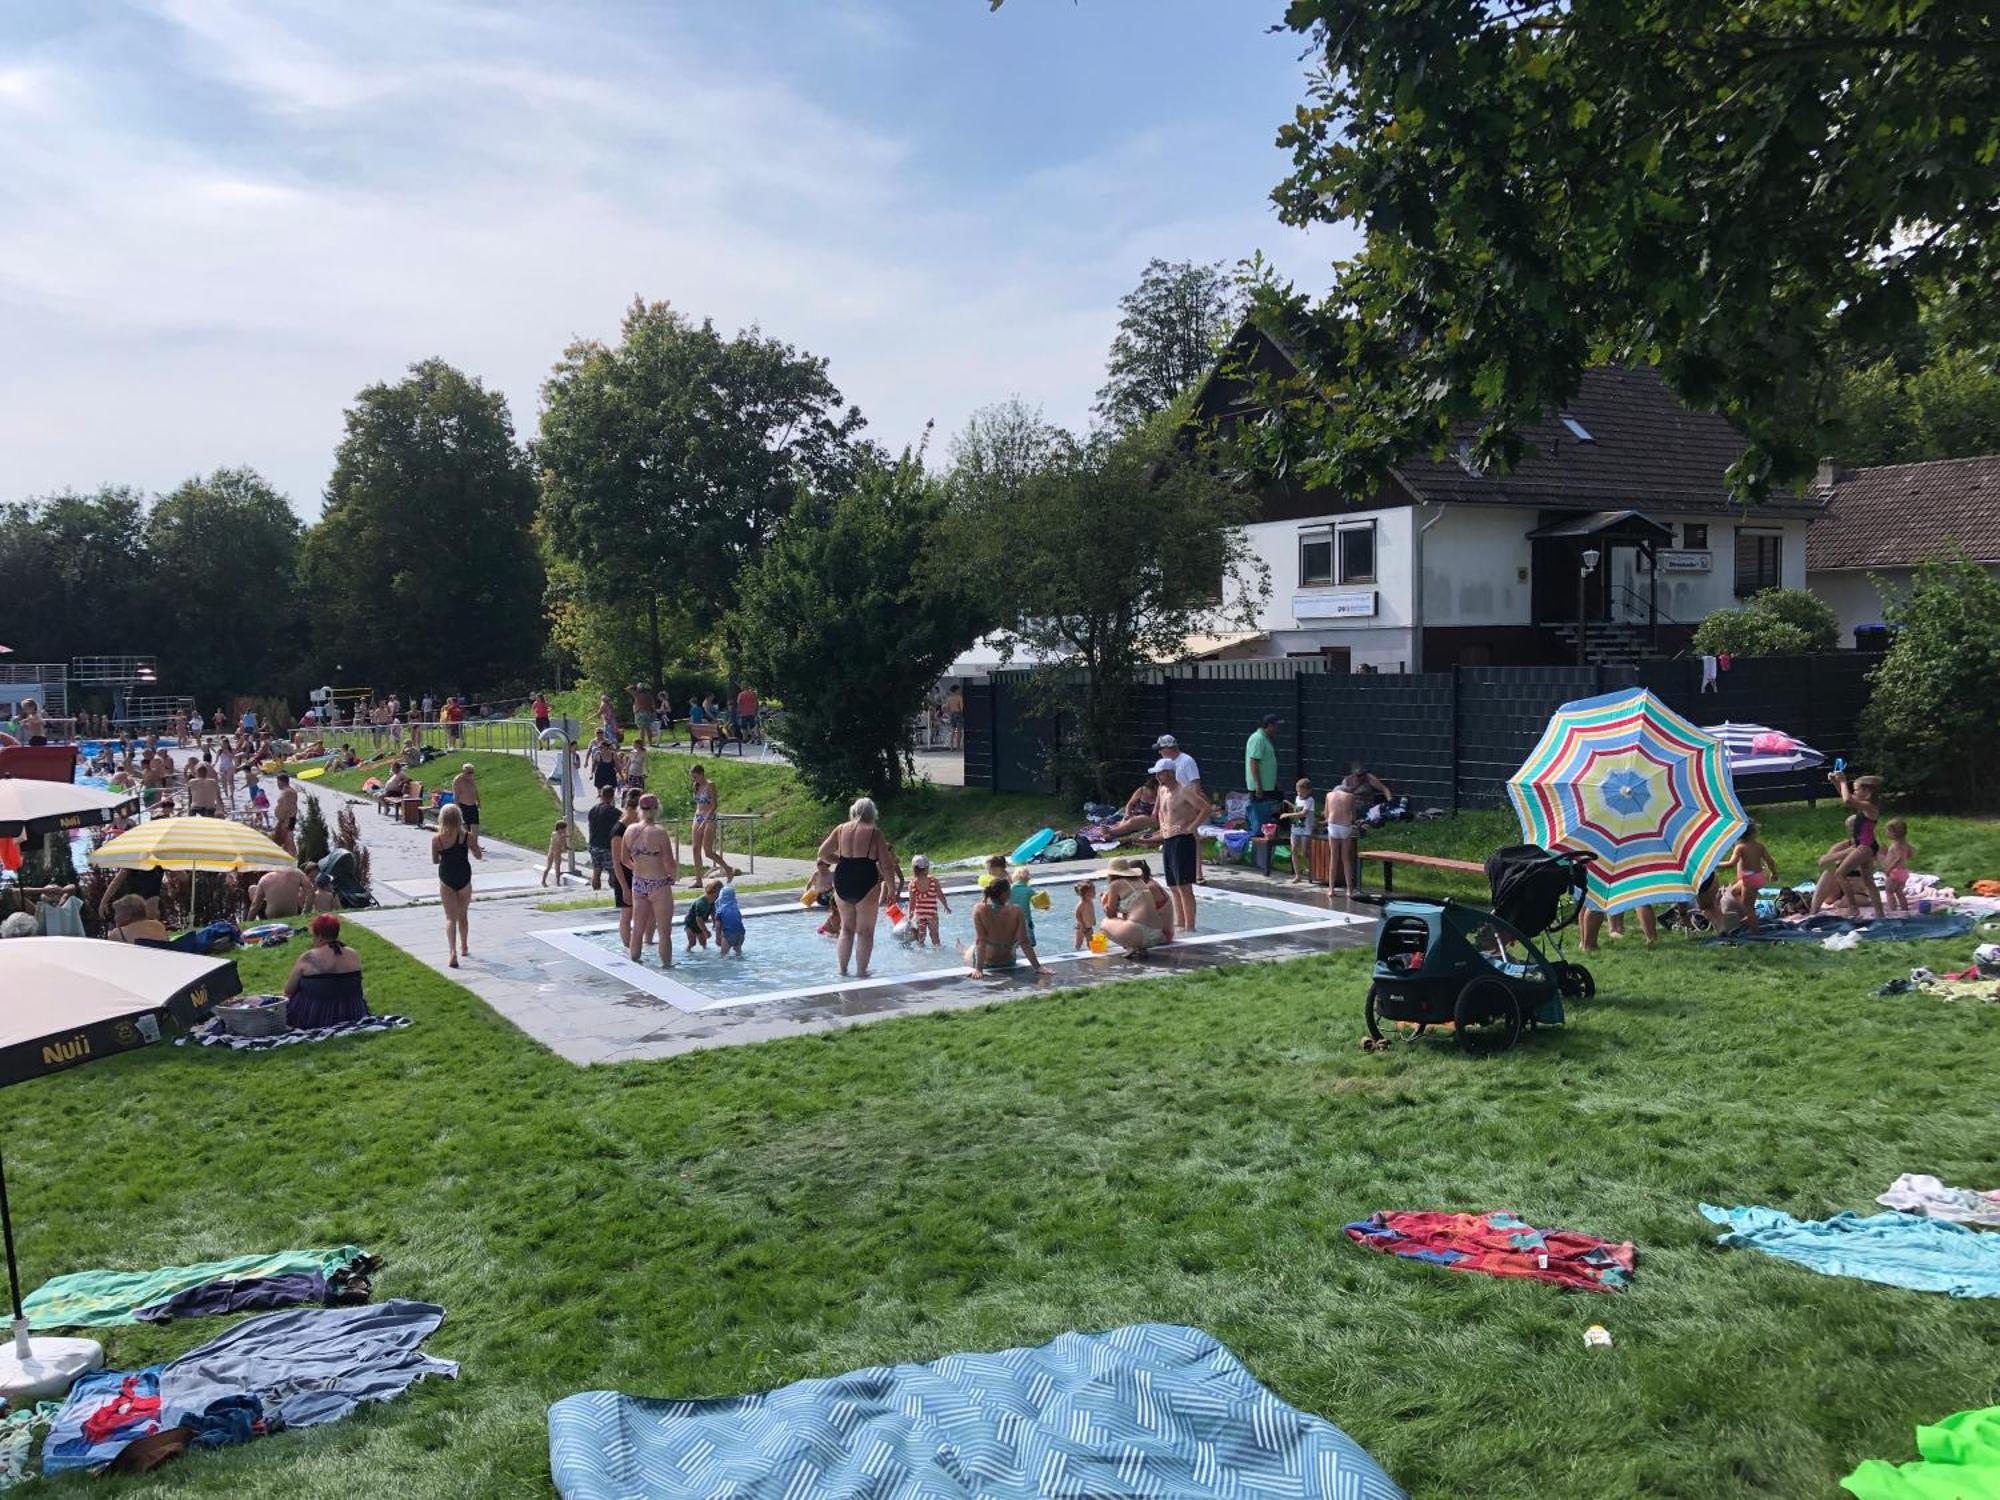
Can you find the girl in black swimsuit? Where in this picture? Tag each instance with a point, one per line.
(858, 852)
(452, 853)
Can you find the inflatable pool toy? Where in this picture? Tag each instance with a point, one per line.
(1030, 846)
(312, 775)
(264, 930)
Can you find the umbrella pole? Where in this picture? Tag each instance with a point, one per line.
(21, 1349)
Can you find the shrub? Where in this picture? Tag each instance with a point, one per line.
(313, 838)
(1933, 714)
(1776, 622)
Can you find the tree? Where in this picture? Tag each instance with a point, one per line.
(1101, 557)
(224, 552)
(1774, 622)
(1933, 717)
(1949, 407)
(1170, 329)
(423, 567)
(72, 577)
(669, 459)
(1742, 192)
(845, 620)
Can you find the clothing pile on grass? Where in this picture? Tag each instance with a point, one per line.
(1149, 1409)
(1979, 981)
(304, 1367)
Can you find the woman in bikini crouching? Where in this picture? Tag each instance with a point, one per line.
(862, 860)
(1138, 915)
(649, 854)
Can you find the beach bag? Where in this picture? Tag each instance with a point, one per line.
(1061, 849)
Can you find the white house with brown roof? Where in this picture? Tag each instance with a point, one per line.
(1880, 522)
(1618, 526)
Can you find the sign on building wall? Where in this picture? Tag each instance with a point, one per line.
(1343, 604)
(1685, 562)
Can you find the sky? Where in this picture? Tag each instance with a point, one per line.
(220, 219)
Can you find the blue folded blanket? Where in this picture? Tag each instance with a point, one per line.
(1152, 1409)
(1906, 1250)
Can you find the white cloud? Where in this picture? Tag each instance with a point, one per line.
(225, 217)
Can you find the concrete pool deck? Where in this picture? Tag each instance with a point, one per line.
(587, 1015)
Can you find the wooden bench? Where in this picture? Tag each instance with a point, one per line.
(715, 735)
(1390, 858)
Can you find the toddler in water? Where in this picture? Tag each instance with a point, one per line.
(926, 897)
(819, 892)
(558, 847)
(1086, 912)
(728, 920)
(1896, 857)
(700, 912)
(1022, 895)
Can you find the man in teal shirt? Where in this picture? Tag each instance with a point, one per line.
(1260, 774)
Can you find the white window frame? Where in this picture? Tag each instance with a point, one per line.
(1374, 551)
(1318, 534)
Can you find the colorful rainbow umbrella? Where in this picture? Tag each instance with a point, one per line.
(1629, 780)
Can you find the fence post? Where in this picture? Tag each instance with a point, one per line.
(1299, 720)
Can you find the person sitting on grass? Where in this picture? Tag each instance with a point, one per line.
(1862, 797)
(700, 914)
(1135, 819)
(1838, 890)
(324, 987)
(999, 932)
(1896, 857)
(132, 923)
(558, 847)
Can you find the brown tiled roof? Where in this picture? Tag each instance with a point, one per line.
(1897, 514)
(1647, 451)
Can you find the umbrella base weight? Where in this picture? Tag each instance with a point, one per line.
(51, 1368)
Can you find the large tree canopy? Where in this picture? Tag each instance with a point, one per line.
(670, 457)
(223, 551)
(423, 571)
(1745, 192)
(71, 579)
(1171, 326)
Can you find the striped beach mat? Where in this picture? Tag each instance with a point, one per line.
(1151, 1409)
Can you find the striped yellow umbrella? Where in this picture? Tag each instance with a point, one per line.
(192, 844)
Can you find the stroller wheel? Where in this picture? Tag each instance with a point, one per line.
(1488, 1016)
(1577, 982)
(1371, 1012)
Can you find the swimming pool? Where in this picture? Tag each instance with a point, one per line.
(786, 958)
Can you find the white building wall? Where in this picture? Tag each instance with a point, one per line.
(1372, 621)
(1476, 566)
(1853, 596)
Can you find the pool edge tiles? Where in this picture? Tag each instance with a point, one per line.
(1289, 918)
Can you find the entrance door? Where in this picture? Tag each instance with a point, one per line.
(1556, 565)
(1628, 583)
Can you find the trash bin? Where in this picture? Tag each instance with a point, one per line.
(1871, 638)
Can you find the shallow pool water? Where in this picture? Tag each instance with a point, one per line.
(785, 954)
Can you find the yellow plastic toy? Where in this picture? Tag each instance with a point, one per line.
(1040, 901)
(1099, 943)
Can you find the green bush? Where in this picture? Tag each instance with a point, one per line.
(1934, 714)
(313, 837)
(1777, 622)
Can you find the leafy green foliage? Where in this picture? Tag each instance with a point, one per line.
(224, 548)
(1934, 716)
(844, 619)
(1776, 622)
(1743, 193)
(424, 564)
(313, 836)
(1949, 408)
(68, 577)
(670, 457)
(1100, 557)
(1170, 329)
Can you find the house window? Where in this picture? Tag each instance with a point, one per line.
(1315, 557)
(1759, 561)
(1694, 537)
(1357, 552)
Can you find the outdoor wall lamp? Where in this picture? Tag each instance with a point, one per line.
(1590, 555)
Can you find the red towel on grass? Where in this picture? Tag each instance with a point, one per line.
(1499, 1244)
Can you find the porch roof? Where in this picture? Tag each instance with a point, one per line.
(1612, 525)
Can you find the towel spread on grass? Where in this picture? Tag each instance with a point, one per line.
(1925, 1255)
(1962, 1462)
(1151, 1409)
(1937, 924)
(213, 1034)
(293, 1369)
(1500, 1244)
(99, 1299)
(1920, 1193)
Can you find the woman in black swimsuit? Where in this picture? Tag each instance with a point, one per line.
(452, 852)
(861, 860)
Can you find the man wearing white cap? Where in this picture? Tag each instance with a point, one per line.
(1181, 808)
(1187, 774)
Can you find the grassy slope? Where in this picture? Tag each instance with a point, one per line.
(516, 802)
(1181, 1150)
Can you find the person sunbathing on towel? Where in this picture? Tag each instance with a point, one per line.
(1136, 817)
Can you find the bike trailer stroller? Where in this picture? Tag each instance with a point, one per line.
(1446, 962)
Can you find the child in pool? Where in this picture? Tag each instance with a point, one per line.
(558, 847)
(1086, 912)
(729, 931)
(926, 899)
(1896, 857)
(996, 869)
(700, 912)
(1021, 894)
(819, 892)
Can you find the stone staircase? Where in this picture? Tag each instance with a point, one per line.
(1607, 643)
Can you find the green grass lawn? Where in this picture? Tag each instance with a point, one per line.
(516, 802)
(1183, 1150)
